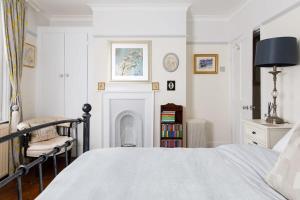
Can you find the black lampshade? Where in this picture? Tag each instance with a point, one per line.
(280, 52)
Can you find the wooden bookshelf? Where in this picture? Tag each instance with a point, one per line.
(171, 126)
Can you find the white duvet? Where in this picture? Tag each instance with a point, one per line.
(229, 172)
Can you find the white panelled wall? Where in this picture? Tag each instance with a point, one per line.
(62, 71)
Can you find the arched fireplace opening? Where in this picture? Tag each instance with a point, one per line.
(129, 131)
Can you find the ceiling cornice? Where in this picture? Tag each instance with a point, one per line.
(144, 6)
(198, 18)
(75, 18)
(220, 18)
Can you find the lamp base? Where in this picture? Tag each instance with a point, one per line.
(277, 120)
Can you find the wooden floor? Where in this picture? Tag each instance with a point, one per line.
(30, 184)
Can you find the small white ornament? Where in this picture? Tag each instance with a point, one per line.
(171, 62)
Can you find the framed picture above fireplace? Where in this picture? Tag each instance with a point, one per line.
(130, 61)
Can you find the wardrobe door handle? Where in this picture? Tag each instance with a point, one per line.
(253, 132)
(255, 143)
(67, 75)
(61, 76)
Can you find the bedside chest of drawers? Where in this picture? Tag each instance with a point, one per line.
(258, 132)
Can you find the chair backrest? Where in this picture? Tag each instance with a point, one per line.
(42, 134)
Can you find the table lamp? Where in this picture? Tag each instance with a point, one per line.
(276, 52)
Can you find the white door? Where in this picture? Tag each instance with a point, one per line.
(241, 85)
(50, 74)
(76, 55)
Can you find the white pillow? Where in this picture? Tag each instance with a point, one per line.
(285, 175)
(283, 142)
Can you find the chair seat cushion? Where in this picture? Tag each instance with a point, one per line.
(39, 148)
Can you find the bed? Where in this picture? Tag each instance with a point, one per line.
(229, 172)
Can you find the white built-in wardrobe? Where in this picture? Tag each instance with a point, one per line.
(61, 77)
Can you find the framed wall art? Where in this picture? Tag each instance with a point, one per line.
(101, 86)
(171, 85)
(206, 63)
(29, 55)
(171, 62)
(130, 61)
(155, 86)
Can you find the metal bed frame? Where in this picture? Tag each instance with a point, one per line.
(23, 170)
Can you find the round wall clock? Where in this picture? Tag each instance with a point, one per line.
(171, 62)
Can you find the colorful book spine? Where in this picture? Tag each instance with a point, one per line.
(171, 143)
(168, 116)
(171, 130)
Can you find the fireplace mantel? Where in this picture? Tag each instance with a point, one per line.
(135, 98)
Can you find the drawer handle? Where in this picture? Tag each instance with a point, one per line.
(253, 132)
(255, 143)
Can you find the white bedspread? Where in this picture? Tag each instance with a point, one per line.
(229, 172)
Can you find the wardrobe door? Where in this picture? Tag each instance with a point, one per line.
(50, 74)
(76, 55)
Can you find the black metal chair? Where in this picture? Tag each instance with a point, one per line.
(62, 133)
(22, 170)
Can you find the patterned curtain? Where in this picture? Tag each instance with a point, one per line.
(14, 24)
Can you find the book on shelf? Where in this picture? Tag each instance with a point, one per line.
(171, 131)
(171, 143)
(168, 116)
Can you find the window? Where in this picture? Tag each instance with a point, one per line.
(4, 79)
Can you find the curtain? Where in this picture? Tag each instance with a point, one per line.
(14, 25)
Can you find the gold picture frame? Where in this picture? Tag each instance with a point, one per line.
(101, 86)
(206, 63)
(29, 55)
(155, 86)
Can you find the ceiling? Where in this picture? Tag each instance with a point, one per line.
(223, 8)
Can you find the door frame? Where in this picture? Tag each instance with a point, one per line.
(236, 113)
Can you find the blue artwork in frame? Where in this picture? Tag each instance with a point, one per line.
(206, 63)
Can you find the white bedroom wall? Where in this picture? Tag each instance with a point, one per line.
(255, 13)
(216, 30)
(166, 27)
(33, 20)
(208, 94)
(147, 19)
(252, 14)
(288, 82)
(167, 34)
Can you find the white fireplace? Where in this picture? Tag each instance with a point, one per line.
(128, 115)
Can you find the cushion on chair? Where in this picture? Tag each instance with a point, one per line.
(39, 148)
(45, 133)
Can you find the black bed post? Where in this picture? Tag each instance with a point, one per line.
(86, 126)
